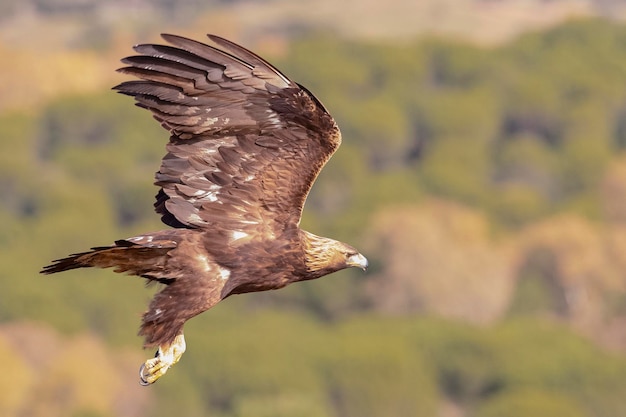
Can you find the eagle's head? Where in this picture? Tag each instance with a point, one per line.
(324, 256)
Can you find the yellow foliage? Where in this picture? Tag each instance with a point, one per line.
(613, 191)
(439, 258)
(15, 380)
(86, 373)
(40, 75)
(49, 376)
(589, 263)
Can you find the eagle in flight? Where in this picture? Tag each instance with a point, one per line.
(246, 146)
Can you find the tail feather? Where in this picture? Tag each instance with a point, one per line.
(124, 256)
(74, 261)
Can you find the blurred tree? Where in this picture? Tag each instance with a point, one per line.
(53, 377)
(16, 381)
(613, 190)
(543, 356)
(421, 272)
(576, 265)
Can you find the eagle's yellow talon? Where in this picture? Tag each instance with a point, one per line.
(143, 376)
(165, 358)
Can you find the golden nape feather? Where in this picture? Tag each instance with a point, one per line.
(246, 144)
(324, 255)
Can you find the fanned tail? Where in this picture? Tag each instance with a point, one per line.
(124, 256)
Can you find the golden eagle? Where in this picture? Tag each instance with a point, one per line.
(246, 146)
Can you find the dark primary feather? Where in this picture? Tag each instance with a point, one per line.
(247, 143)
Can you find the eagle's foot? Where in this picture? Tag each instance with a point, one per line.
(166, 356)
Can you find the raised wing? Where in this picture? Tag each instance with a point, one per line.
(247, 143)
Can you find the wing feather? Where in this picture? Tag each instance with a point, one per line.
(246, 142)
(262, 68)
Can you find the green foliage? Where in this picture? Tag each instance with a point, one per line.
(535, 122)
(542, 354)
(281, 363)
(519, 133)
(456, 171)
(530, 403)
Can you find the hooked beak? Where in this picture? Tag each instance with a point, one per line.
(358, 261)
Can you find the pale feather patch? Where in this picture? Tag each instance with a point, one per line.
(195, 218)
(237, 234)
(273, 117)
(208, 151)
(140, 239)
(210, 121)
(212, 197)
(204, 263)
(224, 273)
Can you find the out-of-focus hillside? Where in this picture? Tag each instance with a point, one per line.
(50, 375)
(58, 46)
(485, 184)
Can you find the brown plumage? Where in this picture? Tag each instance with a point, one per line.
(246, 146)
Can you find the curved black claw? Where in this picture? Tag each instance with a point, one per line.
(142, 378)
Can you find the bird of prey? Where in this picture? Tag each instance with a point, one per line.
(246, 144)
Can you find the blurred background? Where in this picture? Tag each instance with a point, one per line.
(483, 173)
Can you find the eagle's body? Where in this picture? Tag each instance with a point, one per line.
(246, 146)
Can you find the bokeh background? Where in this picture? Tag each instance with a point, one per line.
(483, 173)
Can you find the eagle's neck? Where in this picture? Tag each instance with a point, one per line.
(322, 255)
